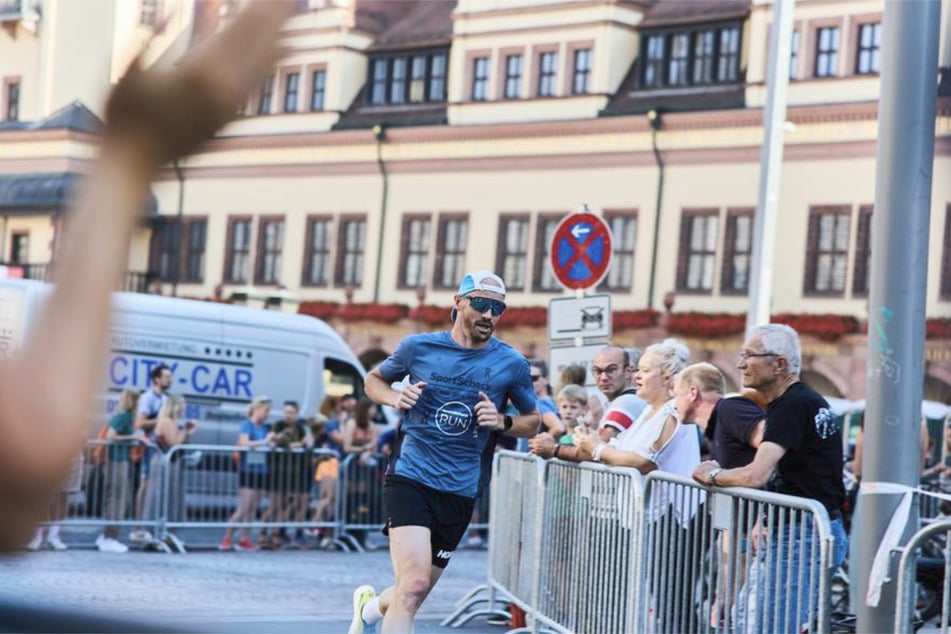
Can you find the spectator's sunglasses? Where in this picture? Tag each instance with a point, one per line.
(482, 304)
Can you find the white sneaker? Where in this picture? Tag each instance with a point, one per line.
(141, 536)
(36, 542)
(56, 542)
(109, 545)
(475, 542)
(361, 596)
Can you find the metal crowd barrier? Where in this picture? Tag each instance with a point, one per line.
(589, 548)
(733, 559)
(586, 576)
(515, 513)
(918, 600)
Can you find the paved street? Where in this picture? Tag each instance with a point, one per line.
(287, 591)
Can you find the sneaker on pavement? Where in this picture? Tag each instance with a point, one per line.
(56, 542)
(475, 542)
(361, 596)
(247, 545)
(35, 543)
(326, 543)
(141, 536)
(225, 544)
(109, 545)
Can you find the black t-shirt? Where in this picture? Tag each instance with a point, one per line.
(801, 422)
(733, 421)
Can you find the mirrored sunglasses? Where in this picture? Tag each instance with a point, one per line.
(482, 304)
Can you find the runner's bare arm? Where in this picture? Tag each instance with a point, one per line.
(152, 117)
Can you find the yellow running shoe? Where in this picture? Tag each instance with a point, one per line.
(361, 596)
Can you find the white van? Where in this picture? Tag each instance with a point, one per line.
(221, 356)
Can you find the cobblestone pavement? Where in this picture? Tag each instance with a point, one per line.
(286, 591)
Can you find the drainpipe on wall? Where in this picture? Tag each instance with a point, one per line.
(379, 133)
(3, 238)
(653, 118)
(176, 266)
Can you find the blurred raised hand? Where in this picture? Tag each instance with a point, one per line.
(153, 116)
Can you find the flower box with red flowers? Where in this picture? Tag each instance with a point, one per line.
(430, 314)
(387, 313)
(705, 325)
(634, 319)
(938, 328)
(826, 327)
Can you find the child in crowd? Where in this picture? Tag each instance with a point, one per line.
(573, 406)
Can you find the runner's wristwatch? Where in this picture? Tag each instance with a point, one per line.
(713, 476)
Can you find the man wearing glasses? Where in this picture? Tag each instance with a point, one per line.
(802, 443)
(459, 381)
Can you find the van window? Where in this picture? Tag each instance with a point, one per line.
(342, 378)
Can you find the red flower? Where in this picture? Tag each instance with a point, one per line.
(938, 328)
(826, 327)
(633, 319)
(705, 325)
(431, 315)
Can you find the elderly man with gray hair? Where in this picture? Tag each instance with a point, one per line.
(803, 445)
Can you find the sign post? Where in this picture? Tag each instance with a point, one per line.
(580, 251)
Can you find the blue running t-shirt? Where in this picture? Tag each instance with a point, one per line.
(442, 441)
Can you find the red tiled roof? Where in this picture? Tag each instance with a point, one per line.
(673, 12)
(427, 23)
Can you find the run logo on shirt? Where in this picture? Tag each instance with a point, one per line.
(825, 423)
(453, 418)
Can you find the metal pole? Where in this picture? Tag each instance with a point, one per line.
(771, 165)
(654, 118)
(896, 333)
(177, 264)
(379, 133)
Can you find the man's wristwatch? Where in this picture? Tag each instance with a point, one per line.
(713, 476)
(507, 423)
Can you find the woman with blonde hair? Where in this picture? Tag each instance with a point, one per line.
(252, 472)
(118, 484)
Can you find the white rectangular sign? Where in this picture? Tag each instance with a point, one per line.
(571, 317)
(560, 358)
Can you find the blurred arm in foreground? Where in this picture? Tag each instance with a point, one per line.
(152, 118)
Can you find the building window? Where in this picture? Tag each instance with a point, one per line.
(291, 88)
(698, 247)
(678, 59)
(451, 242)
(267, 90)
(794, 55)
(683, 58)
(728, 65)
(13, 101)
(270, 246)
(196, 232)
(704, 54)
(317, 251)
(827, 51)
(544, 279)
(414, 259)
(582, 72)
(827, 250)
(398, 80)
(238, 250)
(480, 79)
(378, 91)
(413, 78)
(862, 267)
(513, 76)
(513, 250)
(318, 89)
(178, 250)
(437, 78)
(620, 275)
(547, 68)
(20, 247)
(417, 81)
(870, 37)
(148, 12)
(737, 252)
(654, 64)
(350, 247)
(946, 257)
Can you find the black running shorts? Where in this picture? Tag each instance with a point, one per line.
(446, 515)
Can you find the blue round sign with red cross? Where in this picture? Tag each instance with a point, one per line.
(581, 250)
